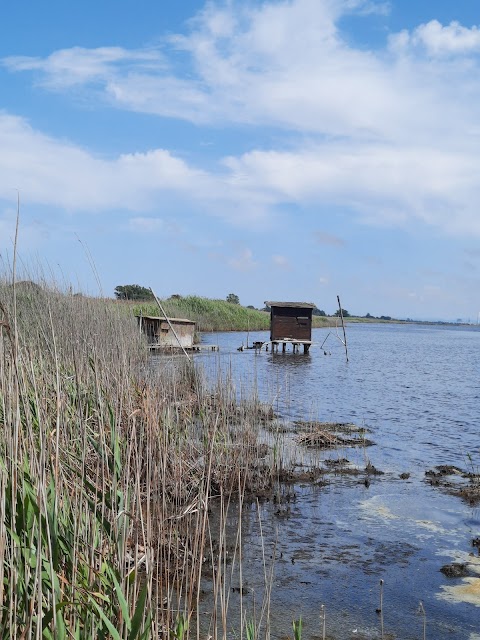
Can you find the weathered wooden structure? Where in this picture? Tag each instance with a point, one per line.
(161, 332)
(291, 323)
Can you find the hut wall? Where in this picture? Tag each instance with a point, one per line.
(159, 333)
(184, 331)
(290, 322)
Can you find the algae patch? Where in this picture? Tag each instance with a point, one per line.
(467, 591)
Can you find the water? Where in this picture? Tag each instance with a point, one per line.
(417, 389)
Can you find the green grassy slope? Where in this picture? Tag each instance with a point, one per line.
(210, 315)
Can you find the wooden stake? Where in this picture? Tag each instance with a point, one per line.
(343, 327)
(381, 607)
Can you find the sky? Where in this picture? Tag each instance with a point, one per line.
(277, 149)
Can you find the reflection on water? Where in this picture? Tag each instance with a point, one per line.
(417, 389)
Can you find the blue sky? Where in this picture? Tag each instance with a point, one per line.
(279, 150)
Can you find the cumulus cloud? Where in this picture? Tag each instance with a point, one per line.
(385, 185)
(284, 64)
(390, 134)
(278, 63)
(53, 172)
(439, 40)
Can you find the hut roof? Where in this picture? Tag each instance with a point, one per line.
(295, 305)
(177, 320)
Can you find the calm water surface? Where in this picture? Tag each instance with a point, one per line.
(417, 389)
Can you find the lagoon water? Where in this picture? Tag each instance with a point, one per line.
(417, 389)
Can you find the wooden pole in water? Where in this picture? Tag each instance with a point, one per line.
(343, 327)
(170, 324)
(381, 607)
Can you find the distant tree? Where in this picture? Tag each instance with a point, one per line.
(233, 298)
(318, 312)
(385, 317)
(175, 296)
(250, 306)
(368, 316)
(133, 292)
(344, 313)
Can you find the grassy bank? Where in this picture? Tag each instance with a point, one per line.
(210, 315)
(108, 474)
(216, 315)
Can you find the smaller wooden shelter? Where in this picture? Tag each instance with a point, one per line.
(291, 323)
(160, 332)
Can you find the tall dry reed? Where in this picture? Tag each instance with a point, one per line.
(109, 469)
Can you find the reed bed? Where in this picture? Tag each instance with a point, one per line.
(109, 474)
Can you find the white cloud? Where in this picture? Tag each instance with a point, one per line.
(284, 64)
(439, 40)
(384, 185)
(53, 172)
(57, 173)
(391, 134)
(77, 66)
(243, 261)
(280, 63)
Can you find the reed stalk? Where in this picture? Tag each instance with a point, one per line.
(108, 470)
